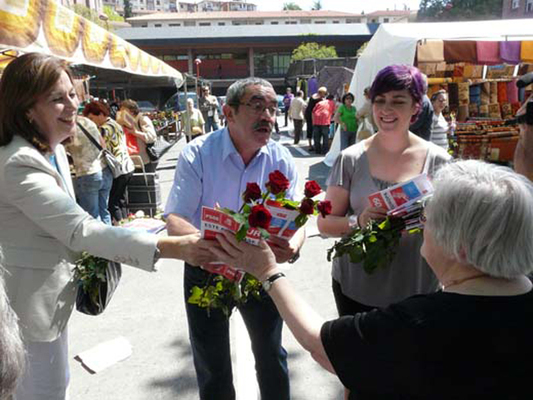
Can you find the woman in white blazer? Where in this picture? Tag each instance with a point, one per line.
(44, 230)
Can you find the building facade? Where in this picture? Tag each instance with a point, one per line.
(237, 18)
(227, 53)
(142, 7)
(517, 9)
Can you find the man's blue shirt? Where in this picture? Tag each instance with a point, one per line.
(211, 171)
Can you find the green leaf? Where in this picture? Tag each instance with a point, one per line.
(264, 233)
(240, 218)
(300, 220)
(241, 233)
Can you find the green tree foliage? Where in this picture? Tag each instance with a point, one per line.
(459, 10)
(361, 49)
(127, 9)
(112, 14)
(291, 6)
(89, 14)
(317, 5)
(313, 50)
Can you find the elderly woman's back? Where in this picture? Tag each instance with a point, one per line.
(472, 340)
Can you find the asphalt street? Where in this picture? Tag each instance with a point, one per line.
(148, 311)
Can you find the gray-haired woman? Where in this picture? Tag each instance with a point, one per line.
(472, 339)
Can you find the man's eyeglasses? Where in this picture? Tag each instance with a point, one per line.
(425, 202)
(258, 108)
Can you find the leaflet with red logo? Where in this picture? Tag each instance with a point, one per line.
(214, 221)
(402, 194)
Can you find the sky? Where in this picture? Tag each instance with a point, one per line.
(355, 6)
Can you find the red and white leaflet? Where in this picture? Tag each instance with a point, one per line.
(215, 221)
(402, 194)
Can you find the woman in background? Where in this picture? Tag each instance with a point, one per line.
(345, 117)
(440, 127)
(115, 142)
(141, 127)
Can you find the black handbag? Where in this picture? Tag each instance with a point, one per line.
(101, 281)
(151, 151)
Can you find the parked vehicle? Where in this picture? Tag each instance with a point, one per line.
(177, 102)
(146, 106)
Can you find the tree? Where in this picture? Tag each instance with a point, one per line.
(361, 49)
(291, 6)
(127, 9)
(112, 14)
(313, 50)
(459, 10)
(317, 5)
(88, 14)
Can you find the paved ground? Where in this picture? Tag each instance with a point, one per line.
(148, 310)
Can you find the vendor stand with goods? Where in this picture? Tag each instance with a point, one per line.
(476, 63)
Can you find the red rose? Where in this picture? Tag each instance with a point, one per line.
(324, 207)
(260, 217)
(307, 206)
(277, 182)
(312, 189)
(252, 192)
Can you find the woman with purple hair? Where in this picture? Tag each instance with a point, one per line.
(391, 156)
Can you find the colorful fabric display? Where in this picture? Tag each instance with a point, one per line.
(502, 92)
(493, 92)
(453, 95)
(485, 94)
(473, 110)
(462, 113)
(439, 81)
(460, 51)
(494, 111)
(526, 51)
(515, 107)
(459, 70)
(507, 111)
(475, 95)
(510, 52)
(512, 92)
(430, 51)
(429, 69)
(464, 93)
(488, 52)
(484, 110)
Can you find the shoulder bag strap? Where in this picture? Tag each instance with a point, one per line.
(90, 137)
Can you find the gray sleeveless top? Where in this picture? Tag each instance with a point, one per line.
(408, 274)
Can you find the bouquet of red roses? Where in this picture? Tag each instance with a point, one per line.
(261, 215)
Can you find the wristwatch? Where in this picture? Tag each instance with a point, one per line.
(267, 284)
(353, 221)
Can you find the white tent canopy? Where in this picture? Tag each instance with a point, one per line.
(396, 44)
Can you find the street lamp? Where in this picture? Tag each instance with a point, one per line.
(105, 18)
(197, 62)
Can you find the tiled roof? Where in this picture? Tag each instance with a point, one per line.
(242, 15)
(395, 13)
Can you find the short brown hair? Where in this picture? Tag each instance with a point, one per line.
(24, 80)
(131, 106)
(95, 108)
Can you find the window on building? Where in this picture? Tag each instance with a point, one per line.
(274, 22)
(171, 25)
(515, 4)
(386, 19)
(291, 22)
(204, 24)
(189, 23)
(272, 64)
(529, 6)
(336, 22)
(373, 20)
(320, 22)
(353, 21)
(144, 26)
(221, 24)
(158, 3)
(169, 57)
(305, 21)
(157, 25)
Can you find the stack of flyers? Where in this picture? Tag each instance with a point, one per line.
(215, 221)
(405, 200)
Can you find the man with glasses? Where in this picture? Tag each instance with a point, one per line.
(208, 105)
(213, 170)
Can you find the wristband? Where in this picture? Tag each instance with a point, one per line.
(353, 221)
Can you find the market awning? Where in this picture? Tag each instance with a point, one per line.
(47, 27)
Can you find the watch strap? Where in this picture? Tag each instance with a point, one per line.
(267, 283)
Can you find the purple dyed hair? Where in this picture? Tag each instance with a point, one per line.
(400, 77)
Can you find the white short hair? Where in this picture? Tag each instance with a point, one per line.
(483, 213)
(12, 353)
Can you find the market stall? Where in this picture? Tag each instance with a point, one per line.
(47, 27)
(475, 62)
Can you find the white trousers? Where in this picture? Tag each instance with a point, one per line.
(47, 373)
